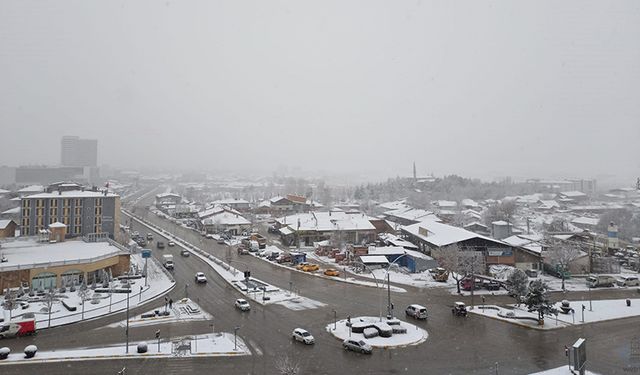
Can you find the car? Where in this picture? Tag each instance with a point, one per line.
(149, 236)
(242, 304)
(201, 278)
(160, 245)
(490, 285)
(310, 268)
(185, 253)
(171, 244)
(331, 272)
(628, 281)
(220, 241)
(300, 266)
(303, 336)
(357, 346)
(416, 311)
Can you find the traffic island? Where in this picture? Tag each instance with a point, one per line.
(385, 333)
(207, 345)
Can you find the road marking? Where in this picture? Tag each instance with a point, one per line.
(256, 348)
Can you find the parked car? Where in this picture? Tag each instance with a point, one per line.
(300, 266)
(331, 272)
(242, 304)
(467, 284)
(416, 311)
(628, 281)
(149, 237)
(184, 253)
(303, 335)
(242, 250)
(160, 245)
(171, 244)
(490, 285)
(357, 346)
(310, 268)
(597, 281)
(201, 278)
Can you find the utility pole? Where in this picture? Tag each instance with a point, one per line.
(389, 313)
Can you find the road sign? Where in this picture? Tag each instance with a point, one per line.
(146, 253)
(580, 356)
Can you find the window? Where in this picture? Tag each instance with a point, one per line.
(39, 202)
(26, 203)
(66, 202)
(98, 201)
(77, 229)
(53, 203)
(78, 211)
(78, 202)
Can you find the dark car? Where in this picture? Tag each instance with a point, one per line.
(160, 245)
(491, 285)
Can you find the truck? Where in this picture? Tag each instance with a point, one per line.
(17, 328)
(599, 281)
(167, 261)
(262, 240)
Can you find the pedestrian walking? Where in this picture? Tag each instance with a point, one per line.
(170, 302)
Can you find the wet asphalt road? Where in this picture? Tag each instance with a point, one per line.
(472, 345)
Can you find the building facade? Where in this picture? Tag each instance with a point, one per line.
(82, 211)
(77, 152)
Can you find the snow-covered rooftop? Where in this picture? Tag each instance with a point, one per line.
(397, 250)
(226, 218)
(5, 223)
(327, 221)
(230, 201)
(30, 253)
(374, 259)
(573, 194)
(73, 194)
(11, 211)
(585, 221)
(394, 205)
(439, 234)
(32, 189)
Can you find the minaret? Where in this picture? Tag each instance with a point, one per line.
(415, 178)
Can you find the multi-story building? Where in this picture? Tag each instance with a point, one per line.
(77, 152)
(82, 211)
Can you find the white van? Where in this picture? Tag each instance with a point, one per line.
(599, 281)
(628, 281)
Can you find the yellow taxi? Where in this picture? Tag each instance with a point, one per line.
(331, 272)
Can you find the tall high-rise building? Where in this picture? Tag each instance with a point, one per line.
(77, 152)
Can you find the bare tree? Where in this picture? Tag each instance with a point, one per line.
(460, 263)
(83, 293)
(561, 256)
(9, 302)
(287, 366)
(49, 300)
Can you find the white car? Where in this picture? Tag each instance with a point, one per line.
(242, 304)
(303, 335)
(201, 278)
(171, 243)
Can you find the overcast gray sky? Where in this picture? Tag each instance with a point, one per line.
(479, 88)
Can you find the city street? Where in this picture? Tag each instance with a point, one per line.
(472, 345)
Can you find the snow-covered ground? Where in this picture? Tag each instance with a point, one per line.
(601, 310)
(206, 345)
(184, 310)
(414, 335)
(564, 370)
(96, 304)
(232, 275)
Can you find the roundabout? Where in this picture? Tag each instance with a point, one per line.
(388, 333)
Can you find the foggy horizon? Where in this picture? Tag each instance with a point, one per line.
(485, 90)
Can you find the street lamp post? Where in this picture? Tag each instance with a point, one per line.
(186, 290)
(235, 338)
(335, 317)
(127, 329)
(590, 305)
(389, 304)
